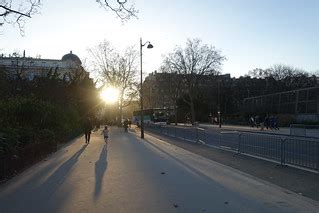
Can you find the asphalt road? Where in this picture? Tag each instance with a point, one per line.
(131, 175)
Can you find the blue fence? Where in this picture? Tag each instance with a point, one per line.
(284, 149)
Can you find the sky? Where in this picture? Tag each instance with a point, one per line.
(250, 33)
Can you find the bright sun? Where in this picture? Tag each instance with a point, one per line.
(110, 95)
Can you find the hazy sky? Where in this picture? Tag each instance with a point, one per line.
(250, 33)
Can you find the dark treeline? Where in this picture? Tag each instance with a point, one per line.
(45, 109)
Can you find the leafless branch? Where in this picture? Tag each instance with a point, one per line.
(116, 69)
(13, 14)
(191, 63)
(120, 8)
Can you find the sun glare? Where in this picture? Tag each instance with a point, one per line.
(109, 95)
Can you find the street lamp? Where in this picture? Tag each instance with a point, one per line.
(219, 112)
(219, 120)
(149, 46)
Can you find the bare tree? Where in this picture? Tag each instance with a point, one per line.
(192, 62)
(282, 72)
(259, 73)
(17, 11)
(117, 70)
(121, 8)
(287, 77)
(21, 66)
(277, 71)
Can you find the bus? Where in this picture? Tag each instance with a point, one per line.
(156, 115)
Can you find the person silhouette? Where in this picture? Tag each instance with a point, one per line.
(87, 130)
(125, 125)
(106, 134)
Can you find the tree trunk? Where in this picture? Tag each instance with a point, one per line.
(120, 109)
(192, 110)
(118, 114)
(121, 112)
(175, 113)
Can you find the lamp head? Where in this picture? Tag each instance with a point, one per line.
(149, 46)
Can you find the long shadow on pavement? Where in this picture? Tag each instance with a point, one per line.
(31, 198)
(100, 168)
(58, 177)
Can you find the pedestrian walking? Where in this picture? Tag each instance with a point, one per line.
(105, 133)
(87, 130)
(266, 122)
(257, 121)
(276, 123)
(125, 124)
(272, 122)
(252, 121)
(261, 123)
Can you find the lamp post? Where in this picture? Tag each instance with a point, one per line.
(219, 120)
(219, 110)
(149, 46)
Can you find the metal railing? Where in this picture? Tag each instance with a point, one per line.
(304, 130)
(284, 149)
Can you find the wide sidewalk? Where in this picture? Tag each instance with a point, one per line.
(134, 175)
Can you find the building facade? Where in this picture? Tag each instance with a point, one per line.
(159, 89)
(302, 103)
(154, 91)
(28, 67)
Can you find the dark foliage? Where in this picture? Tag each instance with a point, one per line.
(46, 109)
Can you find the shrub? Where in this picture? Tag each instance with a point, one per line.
(25, 120)
(45, 136)
(9, 141)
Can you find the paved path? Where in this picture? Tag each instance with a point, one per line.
(140, 176)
